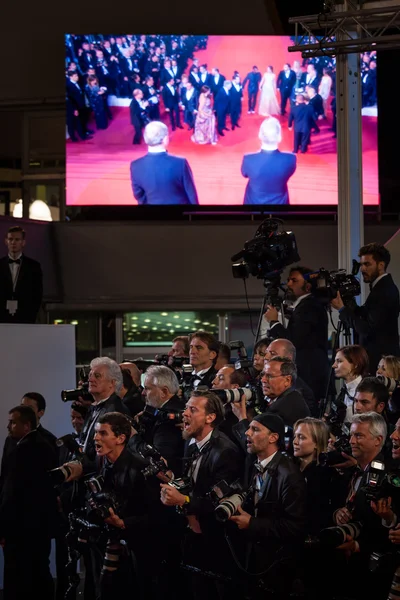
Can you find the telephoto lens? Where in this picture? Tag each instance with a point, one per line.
(332, 537)
(228, 507)
(59, 475)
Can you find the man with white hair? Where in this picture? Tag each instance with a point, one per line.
(269, 170)
(105, 381)
(158, 177)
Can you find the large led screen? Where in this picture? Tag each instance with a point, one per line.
(206, 120)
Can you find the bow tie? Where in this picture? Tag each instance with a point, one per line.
(11, 261)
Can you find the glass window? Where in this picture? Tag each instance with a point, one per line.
(86, 334)
(160, 328)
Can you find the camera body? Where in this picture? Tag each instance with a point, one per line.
(151, 415)
(326, 284)
(379, 483)
(342, 444)
(157, 467)
(99, 500)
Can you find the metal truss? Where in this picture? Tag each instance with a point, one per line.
(347, 28)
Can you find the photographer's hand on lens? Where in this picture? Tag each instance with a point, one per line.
(271, 314)
(349, 547)
(76, 470)
(382, 508)
(343, 516)
(239, 408)
(346, 464)
(170, 496)
(394, 534)
(114, 520)
(337, 302)
(242, 520)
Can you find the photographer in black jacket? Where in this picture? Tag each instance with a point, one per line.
(129, 520)
(376, 322)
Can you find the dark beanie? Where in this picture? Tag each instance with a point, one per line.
(274, 423)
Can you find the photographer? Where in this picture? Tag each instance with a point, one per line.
(376, 322)
(273, 517)
(203, 354)
(132, 499)
(161, 388)
(229, 378)
(180, 347)
(307, 329)
(351, 365)
(210, 457)
(131, 391)
(278, 383)
(368, 434)
(105, 381)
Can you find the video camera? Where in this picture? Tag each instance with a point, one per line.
(227, 498)
(80, 392)
(268, 252)
(326, 284)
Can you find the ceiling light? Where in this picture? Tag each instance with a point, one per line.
(135, 318)
(169, 324)
(147, 320)
(144, 327)
(176, 317)
(197, 321)
(164, 314)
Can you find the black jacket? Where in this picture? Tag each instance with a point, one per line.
(308, 330)
(291, 406)
(28, 291)
(28, 500)
(376, 322)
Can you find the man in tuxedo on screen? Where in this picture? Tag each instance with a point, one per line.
(222, 106)
(269, 170)
(190, 102)
(285, 84)
(21, 286)
(253, 80)
(158, 177)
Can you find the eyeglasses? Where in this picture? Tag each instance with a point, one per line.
(267, 376)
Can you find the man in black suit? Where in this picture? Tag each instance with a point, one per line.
(203, 354)
(159, 178)
(272, 520)
(253, 79)
(210, 458)
(150, 94)
(376, 322)
(21, 282)
(28, 510)
(304, 122)
(285, 83)
(269, 170)
(171, 99)
(236, 97)
(161, 387)
(76, 109)
(222, 106)
(139, 114)
(38, 404)
(278, 384)
(205, 76)
(194, 77)
(307, 329)
(311, 77)
(190, 102)
(216, 81)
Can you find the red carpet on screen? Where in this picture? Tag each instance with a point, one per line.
(98, 169)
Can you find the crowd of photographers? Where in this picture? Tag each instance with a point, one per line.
(222, 477)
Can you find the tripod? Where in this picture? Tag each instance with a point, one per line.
(273, 287)
(342, 328)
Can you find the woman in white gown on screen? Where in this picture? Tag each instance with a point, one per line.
(268, 103)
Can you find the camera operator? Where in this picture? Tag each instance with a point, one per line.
(27, 510)
(180, 346)
(285, 348)
(210, 457)
(105, 380)
(367, 436)
(129, 520)
(376, 322)
(273, 517)
(308, 330)
(161, 388)
(278, 383)
(203, 353)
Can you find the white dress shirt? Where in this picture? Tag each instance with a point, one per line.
(196, 463)
(14, 268)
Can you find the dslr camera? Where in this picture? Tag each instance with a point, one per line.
(99, 500)
(151, 415)
(227, 498)
(156, 467)
(243, 361)
(379, 482)
(81, 391)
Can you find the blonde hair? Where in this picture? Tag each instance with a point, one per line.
(319, 432)
(392, 366)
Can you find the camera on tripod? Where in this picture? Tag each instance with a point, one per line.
(268, 252)
(227, 498)
(325, 284)
(80, 392)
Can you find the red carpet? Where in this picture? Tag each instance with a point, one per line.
(98, 169)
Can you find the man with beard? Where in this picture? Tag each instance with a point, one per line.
(307, 329)
(376, 322)
(210, 458)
